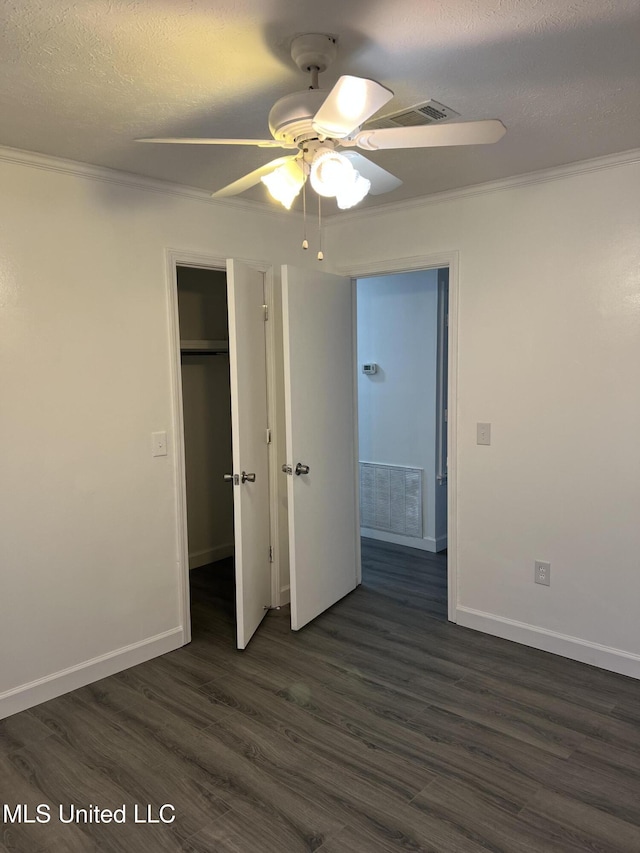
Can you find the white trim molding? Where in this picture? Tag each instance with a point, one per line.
(604, 657)
(393, 266)
(356, 428)
(173, 258)
(51, 686)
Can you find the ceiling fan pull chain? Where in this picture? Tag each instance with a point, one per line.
(320, 252)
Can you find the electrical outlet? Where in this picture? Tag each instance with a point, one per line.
(542, 573)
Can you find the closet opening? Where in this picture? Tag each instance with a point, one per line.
(206, 409)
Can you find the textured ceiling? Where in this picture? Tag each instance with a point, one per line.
(83, 80)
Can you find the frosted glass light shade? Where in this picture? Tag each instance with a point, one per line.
(353, 192)
(330, 172)
(285, 182)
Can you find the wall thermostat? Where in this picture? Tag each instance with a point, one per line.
(370, 368)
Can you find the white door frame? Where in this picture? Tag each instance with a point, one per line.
(426, 262)
(185, 258)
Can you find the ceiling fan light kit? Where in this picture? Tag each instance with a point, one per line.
(316, 122)
(330, 171)
(286, 181)
(333, 176)
(353, 193)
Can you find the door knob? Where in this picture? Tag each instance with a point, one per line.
(231, 478)
(302, 469)
(248, 478)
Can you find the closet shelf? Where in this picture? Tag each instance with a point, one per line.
(203, 347)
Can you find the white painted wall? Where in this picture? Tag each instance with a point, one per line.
(398, 329)
(88, 550)
(549, 348)
(549, 343)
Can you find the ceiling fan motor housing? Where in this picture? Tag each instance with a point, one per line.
(290, 119)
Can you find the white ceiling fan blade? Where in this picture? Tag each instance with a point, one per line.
(381, 180)
(349, 104)
(261, 143)
(432, 135)
(252, 178)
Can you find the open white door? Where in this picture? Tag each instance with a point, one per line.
(320, 403)
(249, 421)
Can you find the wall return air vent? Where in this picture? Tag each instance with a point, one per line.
(430, 112)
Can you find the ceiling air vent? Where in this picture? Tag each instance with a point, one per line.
(431, 112)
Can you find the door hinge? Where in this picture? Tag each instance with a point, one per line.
(265, 308)
(446, 415)
(271, 553)
(268, 431)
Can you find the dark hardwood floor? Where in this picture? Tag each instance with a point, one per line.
(380, 727)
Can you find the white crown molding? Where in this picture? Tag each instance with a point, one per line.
(32, 159)
(581, 167)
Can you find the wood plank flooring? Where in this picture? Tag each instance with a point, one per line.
(379, 728)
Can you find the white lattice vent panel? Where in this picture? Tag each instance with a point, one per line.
(391, 498)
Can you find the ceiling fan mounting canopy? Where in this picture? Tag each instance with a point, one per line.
(291, 118)
(314, 51)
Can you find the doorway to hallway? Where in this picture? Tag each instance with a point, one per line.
(402, 363)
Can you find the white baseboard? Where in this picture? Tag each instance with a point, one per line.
(28, 695)
(210, 555)
(426, 544)
(605, 657)
(285, 595)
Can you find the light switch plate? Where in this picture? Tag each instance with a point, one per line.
(159, 443)
(483, 435)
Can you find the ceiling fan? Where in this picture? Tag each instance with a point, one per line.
(319, 124)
